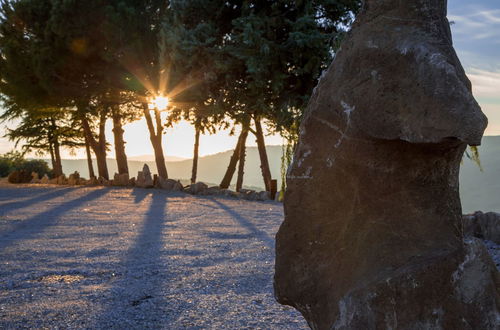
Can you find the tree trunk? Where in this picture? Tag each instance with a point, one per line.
(194, 171)
(57, 153)
(89, 158)
(231, 168)
(264, 162)
(101, 160)
(99, 147)
(241, 165)
(52, 157)
(121, 156)
(155, 138)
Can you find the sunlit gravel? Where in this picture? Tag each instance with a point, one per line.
(135, 258)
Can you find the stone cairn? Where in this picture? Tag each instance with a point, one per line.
(144, 178)
(372, 237)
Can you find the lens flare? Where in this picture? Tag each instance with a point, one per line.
(160, 102)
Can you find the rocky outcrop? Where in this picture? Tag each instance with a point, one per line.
(144, 178)
(372, 237)
(483, 225)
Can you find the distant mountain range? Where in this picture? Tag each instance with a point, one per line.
(479, 190)
(211, 168)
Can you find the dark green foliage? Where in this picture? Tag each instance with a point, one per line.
(14, 161)
(9, 162)
(36, 165)
(63, 63)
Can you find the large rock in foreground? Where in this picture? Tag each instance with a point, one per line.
(372, 237)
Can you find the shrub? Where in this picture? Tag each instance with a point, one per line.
(35, 165)
(14, 161)
(5, 167)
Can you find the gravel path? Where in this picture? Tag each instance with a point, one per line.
(133, 258)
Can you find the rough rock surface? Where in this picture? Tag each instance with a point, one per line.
(35, 178)
(45, 179)
(483, 225)
(197, 188)
(372, 236)
(74, 178)
(20, 176)
(102, 181)
(93, 181)
(121, 179)
(169, 184)
(144, 178)
(61, 180)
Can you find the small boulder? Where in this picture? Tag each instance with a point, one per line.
(45, 179)
(229, 193)
(144, 178)
(131, 182)
(61, 180)
(213, 191)
(93, 181)
(248, 194)
(263, 196)
(73, 178)
(121, 179)
(482, 225)
(197, 188)
(102, 181)
(82, 181)
(20, 176)
(35, 178)
(169, 184)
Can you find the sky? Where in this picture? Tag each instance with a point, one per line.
(476, 37)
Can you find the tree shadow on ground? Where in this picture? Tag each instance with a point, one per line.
(140, 194)
(141, 265)
(247, 224)
(53, 193)
(29, 228)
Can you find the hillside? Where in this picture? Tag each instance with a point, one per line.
(479, 190)
(211, 168)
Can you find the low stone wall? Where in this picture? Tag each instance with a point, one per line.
(146, 180)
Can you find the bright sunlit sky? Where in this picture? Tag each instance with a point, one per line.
(476, 35)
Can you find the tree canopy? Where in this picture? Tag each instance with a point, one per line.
(221, 64)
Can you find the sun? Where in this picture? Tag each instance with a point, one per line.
(160, 102)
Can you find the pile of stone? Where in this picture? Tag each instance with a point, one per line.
(144, 180)
(200, 188)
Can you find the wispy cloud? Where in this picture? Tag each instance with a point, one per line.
(477, 24)
(485, 84)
